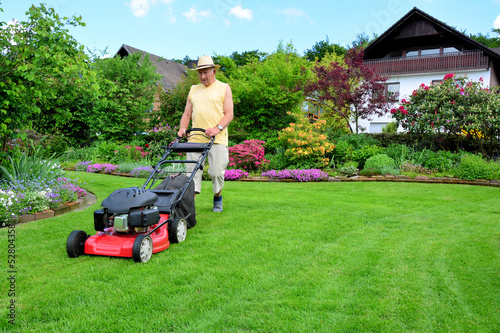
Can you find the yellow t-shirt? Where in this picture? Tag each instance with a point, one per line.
(208, 110)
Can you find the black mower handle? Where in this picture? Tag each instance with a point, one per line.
(195, 129)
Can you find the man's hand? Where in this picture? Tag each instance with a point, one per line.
(210, 132)
(181, 133)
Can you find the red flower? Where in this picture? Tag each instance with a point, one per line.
(449, 76)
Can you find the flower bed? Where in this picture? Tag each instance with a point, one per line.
(31, 198)
(301, 175)
(235, 174)
(141, 172)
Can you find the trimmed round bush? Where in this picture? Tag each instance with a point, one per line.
(380, 161)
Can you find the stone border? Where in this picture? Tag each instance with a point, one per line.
(389, 178)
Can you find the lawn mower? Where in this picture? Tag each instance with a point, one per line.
(137, 222)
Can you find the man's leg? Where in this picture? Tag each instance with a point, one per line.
(218, 159)
(199, 173)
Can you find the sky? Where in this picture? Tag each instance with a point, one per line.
(174, 29)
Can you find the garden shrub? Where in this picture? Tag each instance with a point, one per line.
(105, 150)
(355, 147)
(159, 137)
(362, 154)
(454, 107)
(248, 155)
(348, 169)
(306, 145)
(441, 160)
(411, 167)
(380, 161)
(279, 160)
(342, 153)
(370, 172)
(77, 154)
(400, 153)
(475, 167)
(388, 170)
(391, 127)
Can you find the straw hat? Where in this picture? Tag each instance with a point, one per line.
(205, 62)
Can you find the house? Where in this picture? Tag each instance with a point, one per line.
(421, 49)
(171, 72)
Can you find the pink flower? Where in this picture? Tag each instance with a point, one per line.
(481, 79)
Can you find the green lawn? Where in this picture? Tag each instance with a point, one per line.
(282, 257)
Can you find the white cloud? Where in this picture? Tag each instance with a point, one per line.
(239, 12)
(141, 8)
(193, 15)
(496, 23)
(294, 14)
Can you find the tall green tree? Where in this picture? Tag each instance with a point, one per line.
(322, 48)
(265, 91)
(40, 64)
(491, 42)
(132, 86)
(173, 102)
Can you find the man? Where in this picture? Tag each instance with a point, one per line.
(210, 106)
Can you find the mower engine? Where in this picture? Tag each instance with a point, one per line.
(127, 210)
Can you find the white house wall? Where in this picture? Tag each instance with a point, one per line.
(407, 84)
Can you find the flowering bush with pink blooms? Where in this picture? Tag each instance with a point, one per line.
(248, 155)
(451, 107)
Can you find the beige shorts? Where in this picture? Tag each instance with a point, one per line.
(218, 159)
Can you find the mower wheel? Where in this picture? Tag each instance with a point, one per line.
(177, 230)
(142, 249)
(75, 245)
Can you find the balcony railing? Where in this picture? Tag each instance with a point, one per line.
(447, 62)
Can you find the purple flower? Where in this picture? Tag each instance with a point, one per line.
(235, 174)
(301, 175)
(141, 172)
